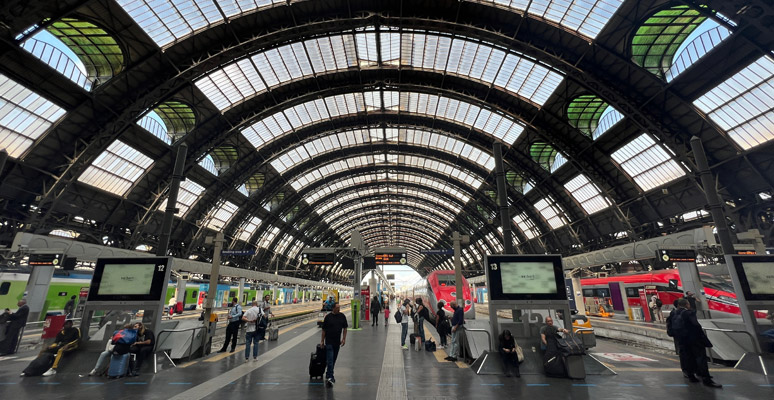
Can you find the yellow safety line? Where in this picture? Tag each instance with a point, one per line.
(438, 353)
(669, 369)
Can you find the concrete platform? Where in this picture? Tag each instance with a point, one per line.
(373, 366)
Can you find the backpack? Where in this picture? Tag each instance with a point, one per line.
(398, 316)
(676, 324)
(124, 336)
(659, 303)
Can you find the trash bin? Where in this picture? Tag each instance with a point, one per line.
(637, 314)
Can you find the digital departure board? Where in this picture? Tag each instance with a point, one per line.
(390, 258)
(45, 259)
(756, 275)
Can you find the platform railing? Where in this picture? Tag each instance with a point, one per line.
(169, 332)
(749, 335)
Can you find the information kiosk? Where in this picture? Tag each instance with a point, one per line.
(528, 286)
(121, 287)
(753, 277)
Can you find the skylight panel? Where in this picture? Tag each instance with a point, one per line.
(152, 123)
(268, 236)
(220, 216)
(552, 212)
(167, 21)
(743, 105)
(249, 228)
(526, 225)
(186, 197)
(208, 164)
(559, 160)
(24, 117)
(243, 189)
(587, 194)
(283, 244)
(117, 169)
(49, 49)
(647, 163)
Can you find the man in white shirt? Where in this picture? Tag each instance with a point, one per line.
(252, 316)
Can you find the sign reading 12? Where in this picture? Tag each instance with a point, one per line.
(160, 268)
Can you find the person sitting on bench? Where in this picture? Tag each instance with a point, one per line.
(143, 347)
(66, 341)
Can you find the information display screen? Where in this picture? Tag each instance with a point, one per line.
(130, 279)
(528, 277)
(525, 277)
(756, 274)
(126, 279)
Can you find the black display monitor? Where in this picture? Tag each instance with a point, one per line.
(756, 275)
(129, 279)
(526, 277)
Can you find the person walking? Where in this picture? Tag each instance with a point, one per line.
(692, 344)
(386, 313)
(405, 317)
(69, 307)
(16, 322)
(655, 305)
(458, 320)
(252, 318)
(232, 329)
(376, 308)
(442, 324)
(334, 336)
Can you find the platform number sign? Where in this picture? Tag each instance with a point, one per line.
(160, 267)
(493, 266)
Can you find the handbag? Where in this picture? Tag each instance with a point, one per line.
(519, 353)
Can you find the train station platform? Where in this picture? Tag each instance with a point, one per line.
(373, 366)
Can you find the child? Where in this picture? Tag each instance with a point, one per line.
(386, 314)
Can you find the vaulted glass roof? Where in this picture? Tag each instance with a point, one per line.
(647, 162)
(552, 212)
(189, 193)
(743, 105)
(465, 57)
(401, 136)
(168, 21)
(117, 169)
(249, 228)
(587, 193)
(24, 117)
(386, 160)
(388, 205)
(483, 120)
(385, 191)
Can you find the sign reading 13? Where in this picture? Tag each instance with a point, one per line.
(493, 266)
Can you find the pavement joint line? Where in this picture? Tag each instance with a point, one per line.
(49, 383)
(538, 384)
(92, 383)
(630, 384)
(267, 383)
(8, 383)
(356, 384)
(392, 378)
(585, 384)
(210, 386)
(447, 384)
(135, 383)
(676, 385)
(766, 385)
(178, 383)
(312, 383)
(492, 384)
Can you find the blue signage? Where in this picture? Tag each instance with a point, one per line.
(237, 252)
(437, 251)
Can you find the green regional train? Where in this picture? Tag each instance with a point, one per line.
(13, 284)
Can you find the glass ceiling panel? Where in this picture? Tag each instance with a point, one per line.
(117, 169)
(268, 236)
(586, 17)
(592, 115)
(386, 192)
(493, 123)
(743, 105)
(587, 194)
(344, 226)
(249, 228)
(510, 71)
(220, 216)
(526, 225)
(381, 161)
(189, 193)
(24, 117)
(404, 136)
(552, 212)
(389, 204)
(647, 162)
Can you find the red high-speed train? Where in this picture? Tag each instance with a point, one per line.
(719, 293)
(441, 285)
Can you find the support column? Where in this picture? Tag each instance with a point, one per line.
(181, 282)
(502, 198)
(171, 210)
(241, 289)
(458, 241)
(713, 198)
(213, 291)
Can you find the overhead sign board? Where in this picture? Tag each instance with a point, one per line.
(667, 255)
(438, 251)
(315, 258)
(390, 277)
(525, 277)
(45, 260)
(237, 252)
(390, 258)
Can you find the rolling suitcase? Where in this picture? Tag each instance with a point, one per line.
(272, 332)
(553, 365)
(40, 365)
(119, 365)
(574, 367)
(317, 363)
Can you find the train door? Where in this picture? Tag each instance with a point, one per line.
(615, 296)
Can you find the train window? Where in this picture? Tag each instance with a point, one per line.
(446, 280)
(602, 293)
(632, 292)
(232, 294)
(588, 292)
(5, 287)
(194, 294)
